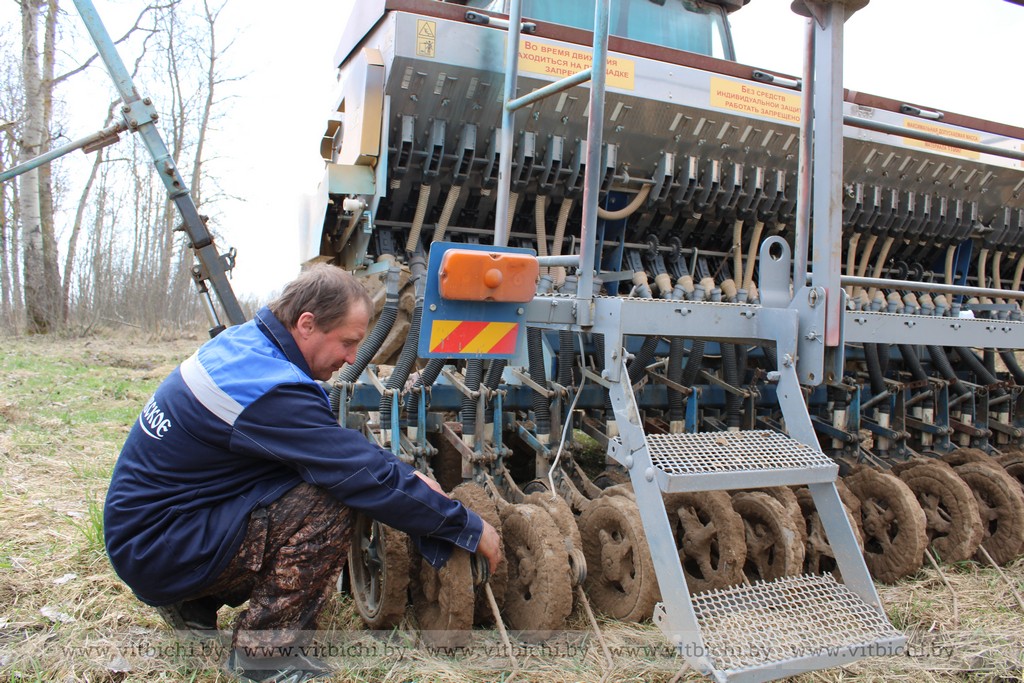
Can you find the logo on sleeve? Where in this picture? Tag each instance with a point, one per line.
(153, 421)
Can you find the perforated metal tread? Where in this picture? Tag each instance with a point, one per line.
(714, 461)
(790, 625)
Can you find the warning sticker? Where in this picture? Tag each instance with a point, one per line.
(426, 38)
(753, 99)
(558, 61)
(944, 131)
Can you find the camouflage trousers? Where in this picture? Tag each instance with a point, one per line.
(286, 567)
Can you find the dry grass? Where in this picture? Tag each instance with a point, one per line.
(65, 407)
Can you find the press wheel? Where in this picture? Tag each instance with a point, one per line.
(476, 499)
(569, 531)
(962, 456)
(443, 601)
(539, 594)
(819, 557)
(893, 523)
(1012, 460)
(775, 546)
(1001, 506)
(710, 537)
(620, 572)
(378, 561)
(953, 523)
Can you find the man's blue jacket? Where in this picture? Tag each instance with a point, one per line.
(232, 429)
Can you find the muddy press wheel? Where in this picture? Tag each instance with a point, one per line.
(893, 524)
(539, 594)
(787, 497)
(443, 601)
(775, 545)
(962, 456)
(564, 519)
(710, 538)
(476, 499)
(1012, 461)
(950, 510)
(620, 572)
(818, 554)
(378, 561)
(1001, 507)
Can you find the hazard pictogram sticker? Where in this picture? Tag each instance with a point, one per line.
(426, 38)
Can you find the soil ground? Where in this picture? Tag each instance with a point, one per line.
(65, 408)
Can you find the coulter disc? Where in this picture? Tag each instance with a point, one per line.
(710, 537)
(893, 524)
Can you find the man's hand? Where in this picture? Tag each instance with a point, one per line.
(490, 546)
(430, 482)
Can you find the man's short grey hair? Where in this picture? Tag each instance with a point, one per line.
(326, 291)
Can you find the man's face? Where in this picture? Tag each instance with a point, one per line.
(327, 350)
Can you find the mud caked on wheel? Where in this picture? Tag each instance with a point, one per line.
(378, 561)
(1012, 460)
(1001, 506)
(620, 572)
(893, 524)
(710, 537)
(962, 456)
(562, 516)
(819, 557)
(443, 601)
(951, 512)
(476, 499)
(775, 544)
(539, 594)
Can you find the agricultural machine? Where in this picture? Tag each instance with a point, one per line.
(785, 314)
(787, 319)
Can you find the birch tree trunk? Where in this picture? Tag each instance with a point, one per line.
(39, 319)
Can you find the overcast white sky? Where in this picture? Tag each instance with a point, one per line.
(933, 52)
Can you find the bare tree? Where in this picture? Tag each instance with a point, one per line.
(41, 317)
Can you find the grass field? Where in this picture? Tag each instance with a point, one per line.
(65, 408)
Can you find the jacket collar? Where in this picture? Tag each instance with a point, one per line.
(277, 333)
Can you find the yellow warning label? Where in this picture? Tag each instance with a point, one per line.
(753, 99)
(426, 38)
(944, 131)
(554, 60)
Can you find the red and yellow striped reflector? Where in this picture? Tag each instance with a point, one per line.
(473, 336)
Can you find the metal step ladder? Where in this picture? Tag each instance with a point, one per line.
(767, 630)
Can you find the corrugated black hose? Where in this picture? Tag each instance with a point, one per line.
(945, 368)
(541, 407)
(406, 360)
(1010, 361)
(975, 365)
(368, 349)
(566, 356)
(676, 409)
(474, 371)
(427, 377)
(876, 375)
(913, 363)
(491, 380)
(731, 375)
